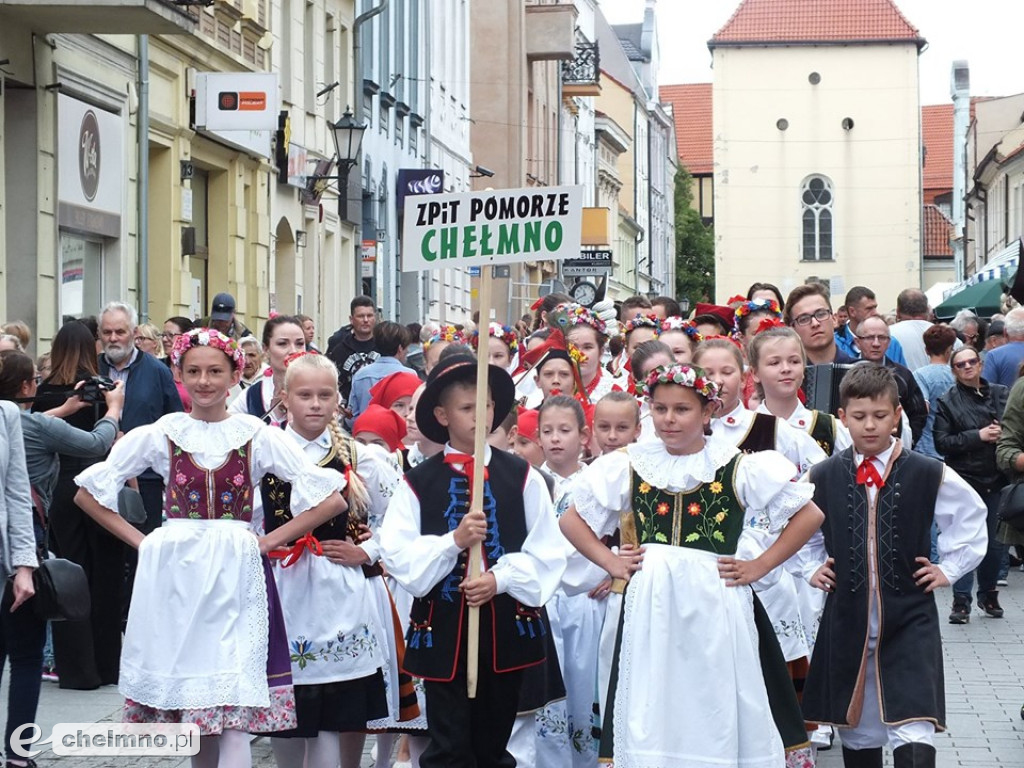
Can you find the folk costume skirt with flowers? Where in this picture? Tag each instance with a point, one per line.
(684, 630)
(205, 641)
(336, 657)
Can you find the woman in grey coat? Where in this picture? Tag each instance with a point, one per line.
(39, 439)
(21, 634)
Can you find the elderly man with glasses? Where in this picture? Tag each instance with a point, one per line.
(873, 341)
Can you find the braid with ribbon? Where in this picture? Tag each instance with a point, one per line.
(355, 489)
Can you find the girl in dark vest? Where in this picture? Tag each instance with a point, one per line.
(340, 641)
(688, 614)
(425, 539)
(220, 658)
(282, 337)
(774, 354)
(722, 361)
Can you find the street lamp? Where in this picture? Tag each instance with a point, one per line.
(348, 137)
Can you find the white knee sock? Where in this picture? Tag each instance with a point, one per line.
(351, 745)
(234, 750)
(289, 753)
(324, 751)
(209, 752)
(385, 746)
(417, 744)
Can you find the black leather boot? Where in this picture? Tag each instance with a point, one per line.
(862, 758)
(914, 756)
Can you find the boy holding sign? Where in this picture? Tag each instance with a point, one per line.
(426, 539)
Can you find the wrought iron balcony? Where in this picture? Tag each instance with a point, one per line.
(581, 75)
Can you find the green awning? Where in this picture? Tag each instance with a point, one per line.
(984, 299)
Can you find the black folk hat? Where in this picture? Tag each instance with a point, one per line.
(461, 368)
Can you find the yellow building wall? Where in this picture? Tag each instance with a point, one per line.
(874, 167)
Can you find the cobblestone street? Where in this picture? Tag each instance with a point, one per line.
(984, 694)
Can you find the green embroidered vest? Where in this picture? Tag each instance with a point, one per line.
(708, 517)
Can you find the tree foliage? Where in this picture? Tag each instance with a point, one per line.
(695, 246)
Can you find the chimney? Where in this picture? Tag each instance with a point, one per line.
(960, 91)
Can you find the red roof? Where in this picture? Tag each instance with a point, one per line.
(778, 22)
(937, 231)
(691, 110)
(937, 135)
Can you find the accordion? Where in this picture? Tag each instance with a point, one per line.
(821, 386)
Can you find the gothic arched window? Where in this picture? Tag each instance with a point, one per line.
(816, 222)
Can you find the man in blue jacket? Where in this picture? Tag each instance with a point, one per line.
(149, 392)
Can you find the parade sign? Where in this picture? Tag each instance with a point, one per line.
(501, 226)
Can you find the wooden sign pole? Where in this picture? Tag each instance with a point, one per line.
(476, 502)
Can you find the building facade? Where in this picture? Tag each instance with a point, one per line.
(817, 147)
(995, 180)
(314, 228)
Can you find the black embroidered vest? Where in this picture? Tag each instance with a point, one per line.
(823, 430)
(277, 509)
(437, 620)
(761, 435)
(909, 646)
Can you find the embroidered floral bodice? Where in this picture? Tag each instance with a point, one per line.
(196, 493)
(708, 517)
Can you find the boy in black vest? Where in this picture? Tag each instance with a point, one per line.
(425, 539)
(876, 671)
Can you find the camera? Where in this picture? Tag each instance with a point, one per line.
(93, 388)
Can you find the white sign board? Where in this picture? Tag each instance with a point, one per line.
(501, 226)
(237, 101)
(90, 167)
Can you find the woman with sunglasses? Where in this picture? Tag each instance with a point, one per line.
(967, 427)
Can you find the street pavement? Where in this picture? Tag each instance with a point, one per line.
(984, 694)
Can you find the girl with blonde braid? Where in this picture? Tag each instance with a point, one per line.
(340, 637)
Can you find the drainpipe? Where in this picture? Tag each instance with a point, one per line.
(428, 140)
(357, 65)
(357, 47)
(143, 133)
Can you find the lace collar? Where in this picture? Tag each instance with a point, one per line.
(196, 436)
(657, 466)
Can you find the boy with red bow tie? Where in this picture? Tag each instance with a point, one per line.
(876, 670)
(426, 537)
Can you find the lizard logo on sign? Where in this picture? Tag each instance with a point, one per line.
(89, 155)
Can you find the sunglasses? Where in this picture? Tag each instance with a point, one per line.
(961, 364)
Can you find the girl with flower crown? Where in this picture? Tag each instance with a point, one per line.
(205, 641)
(589, 334)
(681, 336)
(502, 346)
(688, 612)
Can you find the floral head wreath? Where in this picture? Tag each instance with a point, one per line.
(207, 337)
(757, 305)
(501, 332)
(447, 333)
(641, 320)
(676, 323)
(683, 376)
(577, 314)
